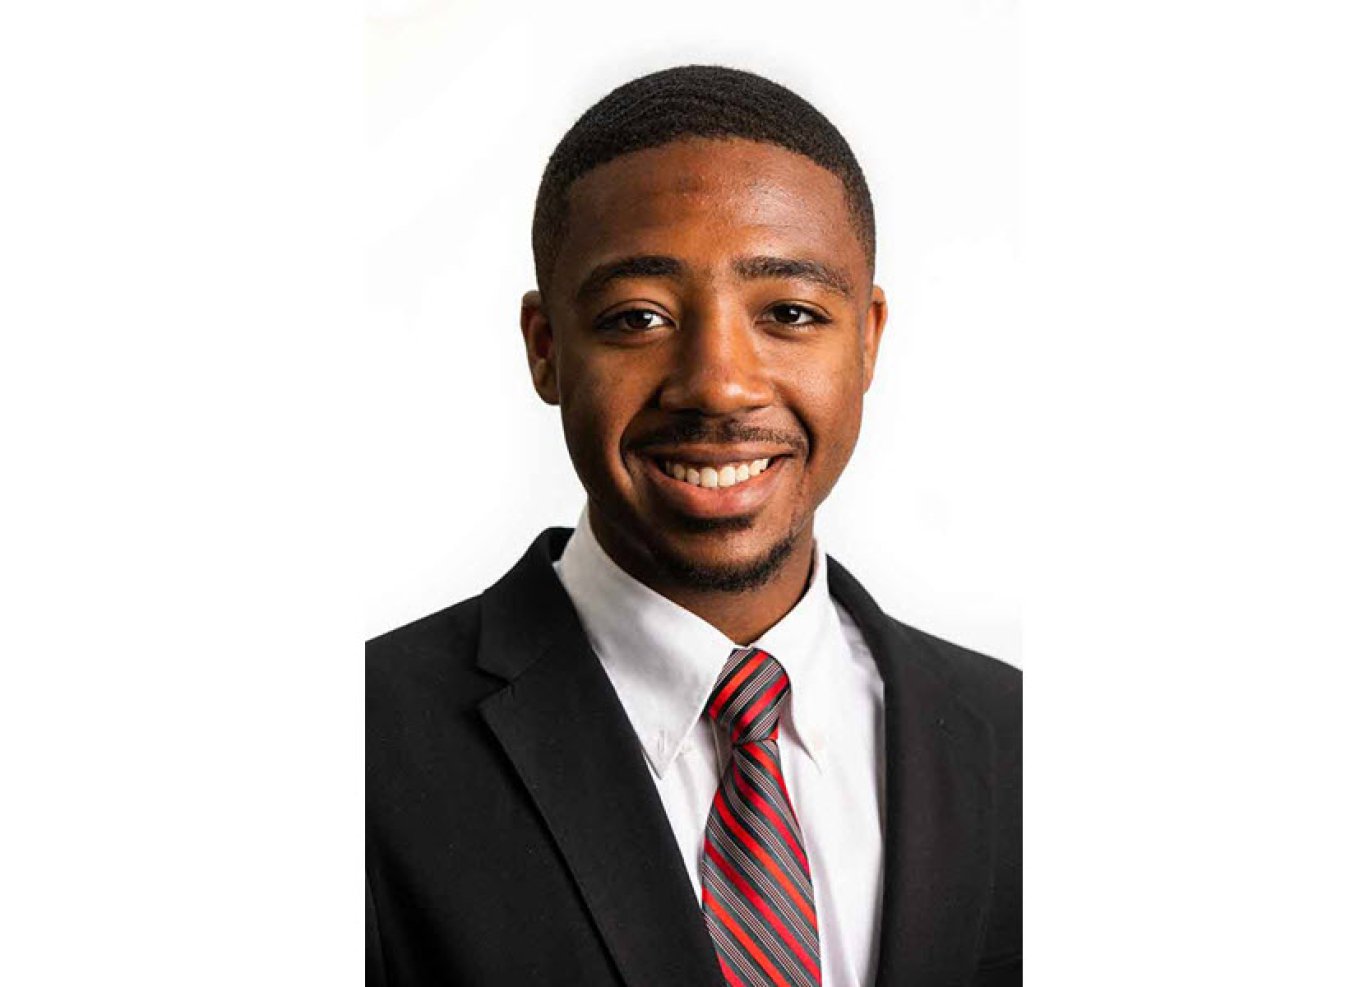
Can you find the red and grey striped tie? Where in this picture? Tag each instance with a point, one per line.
(757, 897)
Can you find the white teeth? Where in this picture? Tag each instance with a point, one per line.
(715, 477)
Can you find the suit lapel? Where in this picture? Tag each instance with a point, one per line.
(561, 724)
(938, 782)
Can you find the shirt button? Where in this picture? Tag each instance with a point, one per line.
(686, 748)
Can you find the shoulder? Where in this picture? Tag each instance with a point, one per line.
(991, 687)
(435, 635)
(429, 662)
(451, 660)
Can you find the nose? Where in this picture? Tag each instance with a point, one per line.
(718, 367)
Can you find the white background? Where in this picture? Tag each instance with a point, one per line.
(466, 104)
(193, 497)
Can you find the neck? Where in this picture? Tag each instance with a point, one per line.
(742, 615)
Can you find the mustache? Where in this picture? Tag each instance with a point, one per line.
(726, 432)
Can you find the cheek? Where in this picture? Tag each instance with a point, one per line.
(585, 426)
(596, 405)
(828, 399)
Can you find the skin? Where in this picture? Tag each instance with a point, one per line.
(665, 363)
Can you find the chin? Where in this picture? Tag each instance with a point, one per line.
(721, 573)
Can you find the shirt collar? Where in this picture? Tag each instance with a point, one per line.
(664, 660)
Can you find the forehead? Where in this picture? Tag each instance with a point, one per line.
(706, 201)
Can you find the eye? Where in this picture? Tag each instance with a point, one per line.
(788, 314)
(633, 320)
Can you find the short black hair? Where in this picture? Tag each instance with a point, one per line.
(692, 101)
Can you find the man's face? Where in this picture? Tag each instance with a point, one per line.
(711, 307)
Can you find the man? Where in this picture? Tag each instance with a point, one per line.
(678, 745)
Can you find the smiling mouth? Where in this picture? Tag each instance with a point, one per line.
(713, 487)
(714, 477)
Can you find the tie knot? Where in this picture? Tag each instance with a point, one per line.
(749, 696)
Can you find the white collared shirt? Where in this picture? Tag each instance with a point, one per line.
(664, 660)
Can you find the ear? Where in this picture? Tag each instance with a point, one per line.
(873, 326)
(539, 348)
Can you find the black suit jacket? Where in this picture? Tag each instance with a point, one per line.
(515, 836)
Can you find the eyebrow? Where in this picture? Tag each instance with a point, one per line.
(830, 278)
(641, 266)
(748, 268)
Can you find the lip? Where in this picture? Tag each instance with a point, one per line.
(693, 454)
(744, 498)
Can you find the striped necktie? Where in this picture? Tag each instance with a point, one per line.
(757, 898)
